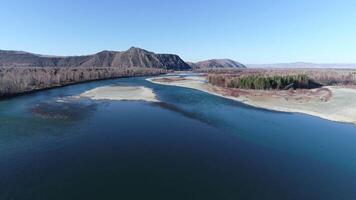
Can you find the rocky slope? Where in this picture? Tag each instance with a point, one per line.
(134, 57)
(216, 64)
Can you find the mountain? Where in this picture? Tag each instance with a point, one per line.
(216, 63)
(25, 59)
(134, 57)
(303, 65)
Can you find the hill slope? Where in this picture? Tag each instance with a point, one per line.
(134, 57)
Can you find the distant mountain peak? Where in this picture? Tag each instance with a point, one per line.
(137, 49)
(217, 63)
(304, 65)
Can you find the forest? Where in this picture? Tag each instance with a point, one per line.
(17, 80)
(279, 79)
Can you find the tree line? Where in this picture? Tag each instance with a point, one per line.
(262, 82)
(15, 80)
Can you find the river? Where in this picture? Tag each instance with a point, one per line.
(190, 145)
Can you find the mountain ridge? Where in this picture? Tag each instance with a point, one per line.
(133, 57)
(294, 65)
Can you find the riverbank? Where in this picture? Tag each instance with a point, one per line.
(121, 93)
(23, 80)
(331, 103)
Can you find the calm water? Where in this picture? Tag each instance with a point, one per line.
(191, 146)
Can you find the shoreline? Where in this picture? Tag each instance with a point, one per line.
(312, 109)
(96, 74)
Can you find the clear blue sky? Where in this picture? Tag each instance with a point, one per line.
(250, 31)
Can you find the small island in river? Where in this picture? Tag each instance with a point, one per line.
(121, 93)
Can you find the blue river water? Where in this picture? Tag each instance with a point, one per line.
(190, 145)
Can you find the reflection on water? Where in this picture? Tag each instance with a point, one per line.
(189, 114)
(64, 109)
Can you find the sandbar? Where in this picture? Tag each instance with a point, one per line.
(120, 93)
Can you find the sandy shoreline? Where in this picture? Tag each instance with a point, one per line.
(340, 105)
(120, 93)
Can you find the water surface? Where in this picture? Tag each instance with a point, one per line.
(191, 145)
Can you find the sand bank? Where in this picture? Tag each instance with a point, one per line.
(129, 93)
(331, 103)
